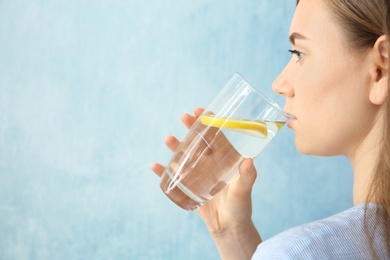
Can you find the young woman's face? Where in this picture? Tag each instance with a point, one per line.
(326, 85)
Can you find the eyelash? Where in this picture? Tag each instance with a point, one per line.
(297, 53)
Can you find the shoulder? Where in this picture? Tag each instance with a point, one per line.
(337, 237)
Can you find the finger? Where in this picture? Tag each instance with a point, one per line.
(248, 175)
(157, 168)
(171, 142)
(188, 120)
(198, 111)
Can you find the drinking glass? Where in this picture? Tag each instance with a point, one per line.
(238, 124)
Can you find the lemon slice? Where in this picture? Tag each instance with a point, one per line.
(249, 127)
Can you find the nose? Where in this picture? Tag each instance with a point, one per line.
(283, 83)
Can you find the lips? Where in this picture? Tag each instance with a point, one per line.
(291, 118)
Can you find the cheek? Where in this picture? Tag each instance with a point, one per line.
(329, 107)
(318, 104)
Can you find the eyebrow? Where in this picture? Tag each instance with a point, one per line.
(294, 36)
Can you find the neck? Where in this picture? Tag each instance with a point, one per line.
(363, 169)
(363, 161)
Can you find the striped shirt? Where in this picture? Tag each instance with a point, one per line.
(341, 236)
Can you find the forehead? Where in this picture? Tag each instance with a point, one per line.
(313, 20)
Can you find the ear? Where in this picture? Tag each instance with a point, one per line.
(380, 71)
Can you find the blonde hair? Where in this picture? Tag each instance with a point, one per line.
(364, 21)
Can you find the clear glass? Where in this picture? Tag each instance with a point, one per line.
(208, 158)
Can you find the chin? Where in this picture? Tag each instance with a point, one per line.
(316, 150)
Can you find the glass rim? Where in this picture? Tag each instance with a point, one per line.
(262, 95)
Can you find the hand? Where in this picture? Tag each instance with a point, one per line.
(228, 214)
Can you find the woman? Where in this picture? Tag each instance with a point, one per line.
(338, 76)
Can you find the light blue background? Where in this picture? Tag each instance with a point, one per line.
(88, 91)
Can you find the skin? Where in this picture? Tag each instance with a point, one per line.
(228, 215)
(337, 98)
(316, 86)
(334, 92)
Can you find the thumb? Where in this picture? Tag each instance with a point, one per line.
(248, 175)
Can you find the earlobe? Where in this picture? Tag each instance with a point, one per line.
(379, 91)
(380, 84)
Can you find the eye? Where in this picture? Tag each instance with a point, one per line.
(297, 53)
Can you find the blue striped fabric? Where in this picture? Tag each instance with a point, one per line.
(341, 236)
